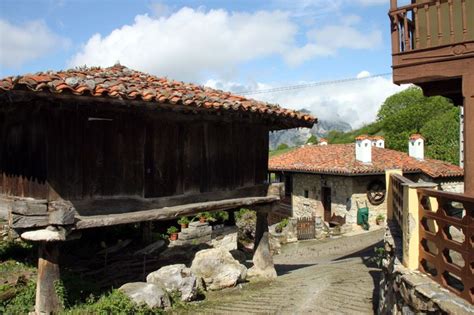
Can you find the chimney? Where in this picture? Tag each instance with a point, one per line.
(416, 146)
(378, 141)
(363, 149)
(322, 141)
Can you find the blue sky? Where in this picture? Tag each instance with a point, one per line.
(232, 45)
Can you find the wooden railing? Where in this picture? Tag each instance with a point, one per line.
(397, 183)
(430, 23)
(446, 234)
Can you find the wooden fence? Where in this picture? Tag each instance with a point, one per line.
(305, 228)
(446, 248)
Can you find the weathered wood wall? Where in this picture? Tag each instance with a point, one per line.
(50, 152)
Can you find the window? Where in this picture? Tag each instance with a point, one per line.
(306, 193)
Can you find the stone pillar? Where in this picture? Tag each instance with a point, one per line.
(47, 301)
(468, 94)
(261, 227)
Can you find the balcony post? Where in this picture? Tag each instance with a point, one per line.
(393, 4)
(468, 94)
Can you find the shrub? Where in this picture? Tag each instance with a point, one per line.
(114, 302)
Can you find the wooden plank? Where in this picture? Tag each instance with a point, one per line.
(192, 161)
(169, 213)
(127, 204)
(22, 221)
(30, 207)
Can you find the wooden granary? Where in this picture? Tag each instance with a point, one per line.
(95, 147)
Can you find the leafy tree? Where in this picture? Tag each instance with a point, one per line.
(406, 112)
(442, 137)
(312, 140)
(282, 146)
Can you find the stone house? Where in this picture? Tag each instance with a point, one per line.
(330, 181)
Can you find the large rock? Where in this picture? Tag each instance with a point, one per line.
(176, 278)
(263, 267)
(146, 293)
(218, 268)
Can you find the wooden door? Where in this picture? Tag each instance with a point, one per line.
(326, 200)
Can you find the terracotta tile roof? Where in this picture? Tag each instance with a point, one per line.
(340, 159)
(123, 83)
(416, 136)
(377, 138)
(362, 137)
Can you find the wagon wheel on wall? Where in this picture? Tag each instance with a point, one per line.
(376, 192)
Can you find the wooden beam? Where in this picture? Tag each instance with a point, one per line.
(126, 204)
(169, 213)
(468, 93)
(47, 300)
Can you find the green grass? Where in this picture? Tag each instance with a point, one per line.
(280, 151)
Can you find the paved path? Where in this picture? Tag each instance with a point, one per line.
(315, 277)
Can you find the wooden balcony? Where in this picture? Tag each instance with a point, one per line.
(432, 40)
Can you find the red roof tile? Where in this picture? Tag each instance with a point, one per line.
(416, 136)
(123, 83)
(340, 159)
(362, 137)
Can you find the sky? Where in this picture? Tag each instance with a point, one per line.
(231, 45)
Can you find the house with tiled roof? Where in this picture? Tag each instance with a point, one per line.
(330, 181)
(93, 147)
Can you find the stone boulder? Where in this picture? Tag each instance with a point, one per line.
(218, 268)
(176, 278)
(146, 293)
(263, 267)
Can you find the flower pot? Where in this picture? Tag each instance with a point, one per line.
(202, 220)
(184, 226)
(379, 221)
(173, 236)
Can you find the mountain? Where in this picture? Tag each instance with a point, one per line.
(299, 136)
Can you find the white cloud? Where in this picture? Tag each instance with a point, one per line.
(355, 102)
(327, 40)
(22, 43)
(190, 43)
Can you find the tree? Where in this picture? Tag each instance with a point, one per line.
(282, 146)
(407, 112)
(312, 140)
(442, 137)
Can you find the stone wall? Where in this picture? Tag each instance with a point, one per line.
(200, 233)
(360, 184)
(404, 291)
(345, 192)
(455, 185)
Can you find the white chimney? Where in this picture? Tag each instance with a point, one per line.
(378, 141)
(416, 146)
(363, 149)
(322, 141)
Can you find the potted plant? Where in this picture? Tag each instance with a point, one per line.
(184, 222)
(379, 219)
(173, 233)
(281, 225)
(201, 217)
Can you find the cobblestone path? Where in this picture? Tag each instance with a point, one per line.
(315, 277)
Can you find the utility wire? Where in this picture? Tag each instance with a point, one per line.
(308, 85)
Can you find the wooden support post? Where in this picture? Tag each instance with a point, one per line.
(468, 94)
(47, 301)
(262, 227)
(146, 228)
